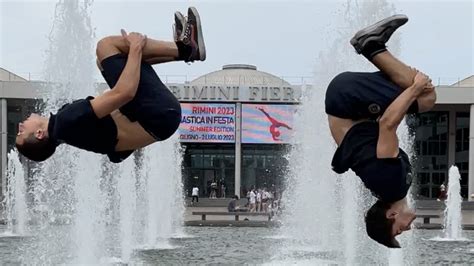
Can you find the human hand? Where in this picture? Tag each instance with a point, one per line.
(428, 88)
(422, 82)
(134, 39)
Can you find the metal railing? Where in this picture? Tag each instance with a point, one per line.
(183, 79)
(293, 80)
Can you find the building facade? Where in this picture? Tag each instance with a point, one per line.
(237, 125)
(236, 129)
(445, 137)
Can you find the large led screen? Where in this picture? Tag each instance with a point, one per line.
(267, 123)
(207, 123)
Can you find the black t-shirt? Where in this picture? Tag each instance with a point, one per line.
(77, 125)
(388, 179)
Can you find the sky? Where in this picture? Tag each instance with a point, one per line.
(279, 37)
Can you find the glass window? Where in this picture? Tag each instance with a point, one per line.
(462, 149)
(260, 159)
(268, 168)
(425, 191)
(207, 160)
(247, 161)
(229, 181)
(229, 161)
(207, 163)
(196, 160)
(431, 149)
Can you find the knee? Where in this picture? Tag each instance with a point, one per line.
(103, 44)
(106, 47)
(426, 101)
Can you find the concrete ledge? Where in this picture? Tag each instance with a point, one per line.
(419, 204)
(429, 226)
(440, 205)
(468, 227)
(440, 226)
(232, 223)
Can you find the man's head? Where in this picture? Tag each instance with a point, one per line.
(384, 221)
(32, 138)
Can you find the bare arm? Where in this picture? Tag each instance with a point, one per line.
(126, 87)
(387, 144)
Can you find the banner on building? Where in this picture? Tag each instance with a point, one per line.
(262, 123)
(207, 123)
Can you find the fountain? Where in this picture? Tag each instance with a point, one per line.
(164, 191)
(326, 214)
(452, 213)
(15, 200)
(452, 231)
(87, 210)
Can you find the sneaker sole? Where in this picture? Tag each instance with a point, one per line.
(377, 30)
(200, 38)
(178, 18)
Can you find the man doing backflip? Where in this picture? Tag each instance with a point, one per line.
(138, 111)
(364, 111)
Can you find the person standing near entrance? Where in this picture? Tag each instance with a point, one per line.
(213, 194)
(195, 194)
(259, 200)
(252, 199)
(265, 196)
(443, 194)
(223, 190)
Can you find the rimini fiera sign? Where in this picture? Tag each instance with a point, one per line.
(283, 94)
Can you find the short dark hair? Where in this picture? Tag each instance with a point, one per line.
(378, 226)
(36, 149)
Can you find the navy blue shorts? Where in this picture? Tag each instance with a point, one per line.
(358, 95)
(154, 106)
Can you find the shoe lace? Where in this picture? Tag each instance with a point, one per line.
(187, 33)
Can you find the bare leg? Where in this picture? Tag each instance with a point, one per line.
(399, 73)
(154, 50)
(151, 61)
(159, 60)
(403, 76)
